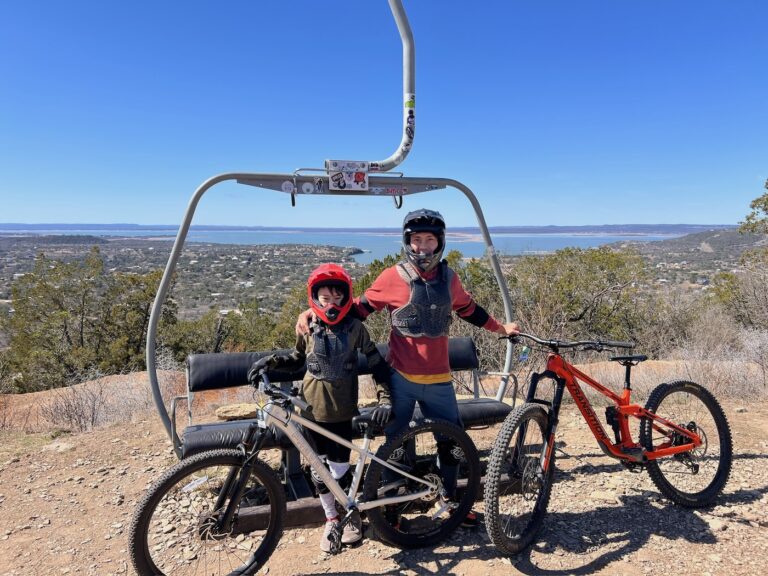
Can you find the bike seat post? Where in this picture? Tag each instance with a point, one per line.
(627, 377)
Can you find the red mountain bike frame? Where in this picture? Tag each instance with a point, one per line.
(625, 448)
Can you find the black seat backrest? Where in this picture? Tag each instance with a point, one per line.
(225, 370)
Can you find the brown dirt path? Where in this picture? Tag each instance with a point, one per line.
(66, 504)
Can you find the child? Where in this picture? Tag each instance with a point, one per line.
(330, 384)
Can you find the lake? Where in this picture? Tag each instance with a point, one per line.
(375, 244)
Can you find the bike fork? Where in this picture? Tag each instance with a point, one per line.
(553, 410)
(235, 484)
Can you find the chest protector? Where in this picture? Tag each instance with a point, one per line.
(332, 358)
(428, 312)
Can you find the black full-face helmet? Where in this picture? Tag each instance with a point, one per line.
(424, 220)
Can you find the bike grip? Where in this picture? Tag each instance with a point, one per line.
(617, 344)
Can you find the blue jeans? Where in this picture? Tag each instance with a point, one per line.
(437, 402)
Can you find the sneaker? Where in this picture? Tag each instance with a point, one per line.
(470, 520)
(325, 540)
(353, 531)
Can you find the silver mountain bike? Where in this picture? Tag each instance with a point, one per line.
(222, 511)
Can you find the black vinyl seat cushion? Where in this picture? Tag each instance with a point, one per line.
(475, 412)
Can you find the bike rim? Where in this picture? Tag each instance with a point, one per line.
(690, 472)
(182, 537)
(524, 481)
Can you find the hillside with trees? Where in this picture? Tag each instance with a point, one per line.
(80, 306)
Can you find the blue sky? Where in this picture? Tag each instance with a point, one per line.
(552, 112)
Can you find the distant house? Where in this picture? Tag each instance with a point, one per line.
(226, 311)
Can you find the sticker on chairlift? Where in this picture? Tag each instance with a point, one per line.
(287, 187)
(347, 175)
(389, 190)
(308, 188)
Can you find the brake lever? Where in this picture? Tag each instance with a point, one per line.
(595, 347)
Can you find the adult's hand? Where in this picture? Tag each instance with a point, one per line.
(302, 322)
(509, 329)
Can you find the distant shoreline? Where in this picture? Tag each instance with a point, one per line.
(374, 243)
(456, 232)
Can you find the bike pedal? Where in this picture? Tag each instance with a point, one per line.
(443, 508)
(634, 467)
(335, 539)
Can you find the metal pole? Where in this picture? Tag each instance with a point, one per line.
(409, 91)
(162, 292)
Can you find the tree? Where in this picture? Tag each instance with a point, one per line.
(202, 335)
(55, 321)
(74, 318)
(125, 312)
(284, 333)
(252, 328)
(745, 293)
(757, 220)
(580, 293)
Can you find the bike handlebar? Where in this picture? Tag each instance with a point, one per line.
(266, 387)
(598, 345)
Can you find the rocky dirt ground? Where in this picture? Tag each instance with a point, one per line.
(66, 504)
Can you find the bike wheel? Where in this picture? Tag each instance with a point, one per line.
(174, 527)
(438, 452)
(517, 489)
(692, 479)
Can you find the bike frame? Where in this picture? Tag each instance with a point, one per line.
(568, 377)
(288, 421)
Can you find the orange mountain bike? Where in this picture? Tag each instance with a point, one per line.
(684, 443)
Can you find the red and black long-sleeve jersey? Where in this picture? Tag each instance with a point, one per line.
(423, 360)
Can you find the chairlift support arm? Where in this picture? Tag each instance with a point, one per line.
(409, 92)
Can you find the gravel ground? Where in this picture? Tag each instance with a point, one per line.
(66, 504)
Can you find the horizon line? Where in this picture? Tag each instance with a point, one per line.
(259, 227)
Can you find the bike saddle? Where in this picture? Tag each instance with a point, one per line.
(629, 360)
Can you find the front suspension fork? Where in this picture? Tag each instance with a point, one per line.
(235, 484)
(553, 413)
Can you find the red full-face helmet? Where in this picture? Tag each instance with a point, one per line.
(332, 276)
